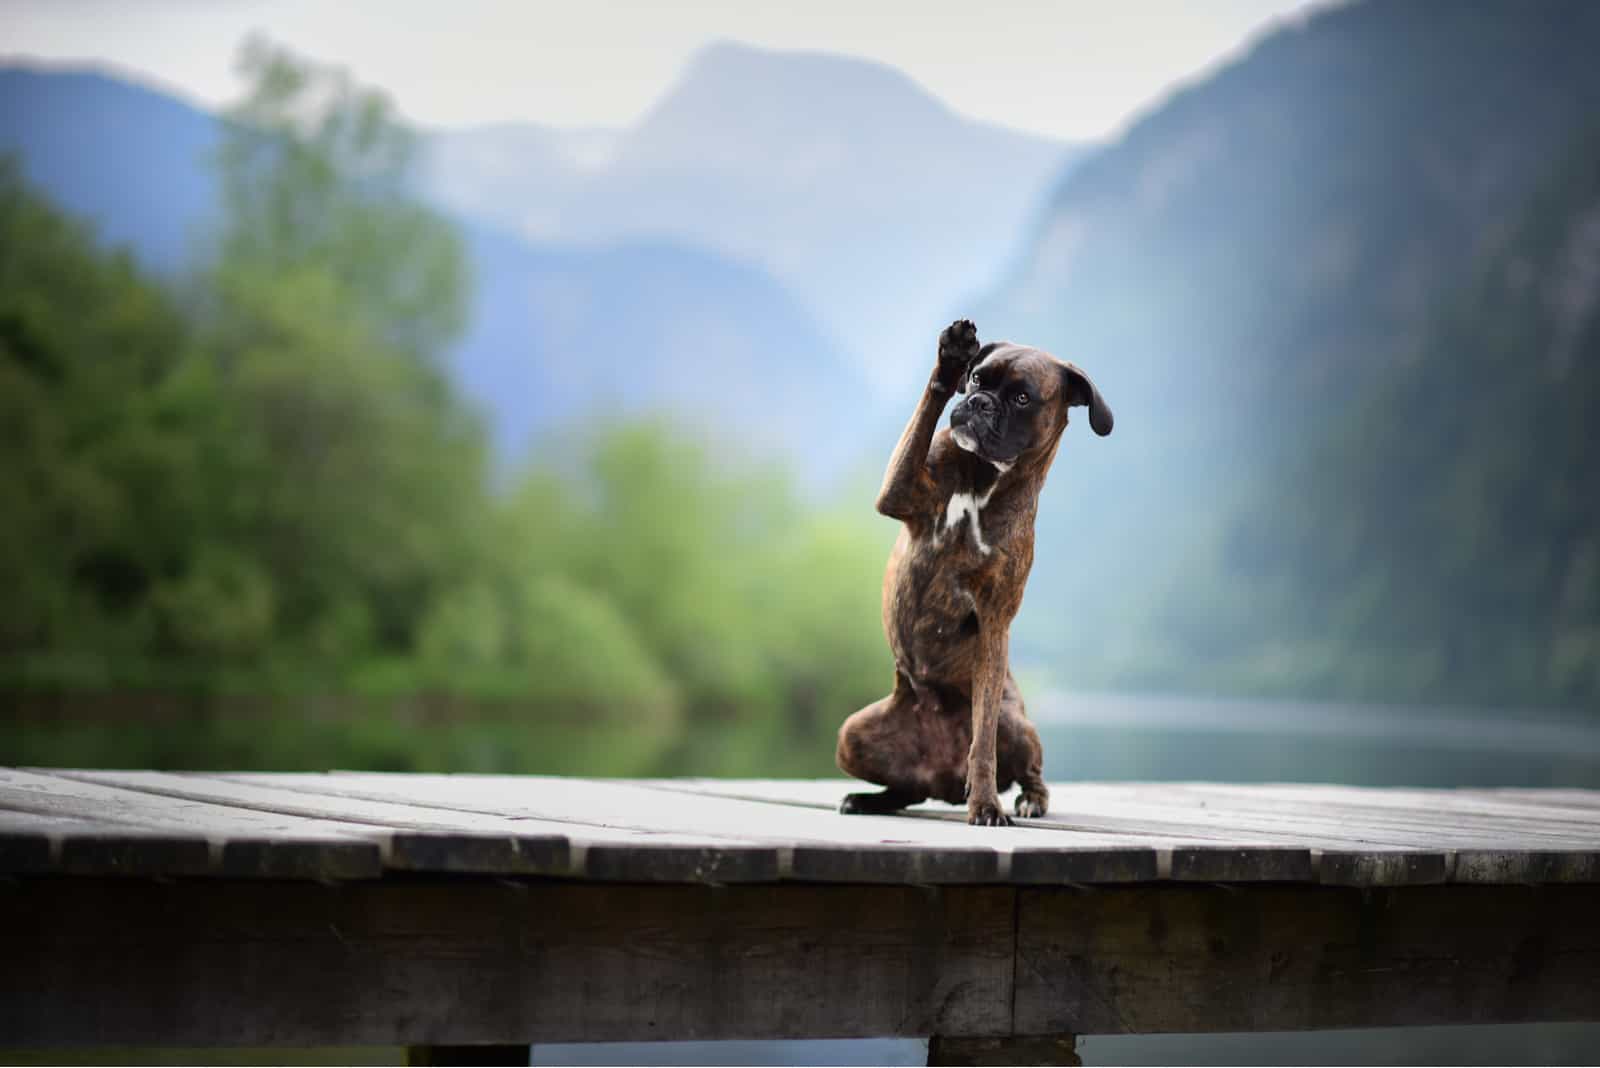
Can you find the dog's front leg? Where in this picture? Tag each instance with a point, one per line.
(988, 686)
(907, 486)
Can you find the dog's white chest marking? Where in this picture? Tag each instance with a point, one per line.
(971, 507)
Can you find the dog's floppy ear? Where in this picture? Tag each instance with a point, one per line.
(1081, 391)
(966, 372)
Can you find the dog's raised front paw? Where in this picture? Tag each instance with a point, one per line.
(1031, 804)
(958, 347)
(987, 813)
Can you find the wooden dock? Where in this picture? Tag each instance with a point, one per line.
(428, 910)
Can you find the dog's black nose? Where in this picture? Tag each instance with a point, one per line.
(983, 402)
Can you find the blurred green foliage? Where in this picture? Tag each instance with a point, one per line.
(245, 521)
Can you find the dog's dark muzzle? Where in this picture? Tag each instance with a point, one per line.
(975, 413)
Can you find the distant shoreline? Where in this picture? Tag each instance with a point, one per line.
(1453, 727)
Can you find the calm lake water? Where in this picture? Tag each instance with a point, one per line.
(1105, 737)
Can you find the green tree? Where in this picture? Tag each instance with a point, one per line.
(316, 181)
(94, 423)
(344, 467)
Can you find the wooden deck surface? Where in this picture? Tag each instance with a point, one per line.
(348, 909)
(341, 826)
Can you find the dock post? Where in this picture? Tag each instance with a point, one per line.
(1007, 1049)
(494, 1056)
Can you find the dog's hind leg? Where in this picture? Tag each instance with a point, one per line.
(878, 745)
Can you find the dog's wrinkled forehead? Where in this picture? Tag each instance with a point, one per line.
(1001, 363)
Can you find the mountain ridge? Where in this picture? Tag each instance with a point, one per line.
(1245, 265)
(132, 161)
(876, 203)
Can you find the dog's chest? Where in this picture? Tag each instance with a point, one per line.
(963, 518)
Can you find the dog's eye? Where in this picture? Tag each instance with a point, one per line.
(974, 378)
(1021, 400)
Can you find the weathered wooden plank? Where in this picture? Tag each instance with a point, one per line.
(1345, 851)
(32, 844)
(1555, 795)
(1415, 811)
(1119, 827)
(1386, 867)
(824, 846)
(1543, 805)
(1553, 812)
(831, 847)
(1242, 864)
(591, 850)
(1106, 850)
(1172, 958)
(192, 838)
(415, 838)
(814, 846)
(713, 831)
(1340, 850)
(1510, 865)
(891, 863)
(598, 850)
(725, 862)
(1109, 862)
(1377, 852)
(805, 793)
(1460, 845)
(824, 794)
(1320, 829)
(468, 960)
(1202, 854)
(1484, 842)
(1114, 851)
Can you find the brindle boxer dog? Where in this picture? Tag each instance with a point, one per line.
(955, 728)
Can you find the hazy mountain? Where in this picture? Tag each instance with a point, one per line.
(640, 327)
(1453, 546)
(131, 159)
(1241, 273)
(518, 176)
(557, 332)
(880, 207)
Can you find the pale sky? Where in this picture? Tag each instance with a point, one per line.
(1071, 69)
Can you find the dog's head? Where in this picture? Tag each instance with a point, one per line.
(1017, 400)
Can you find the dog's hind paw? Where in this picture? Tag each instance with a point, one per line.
(882, 803)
